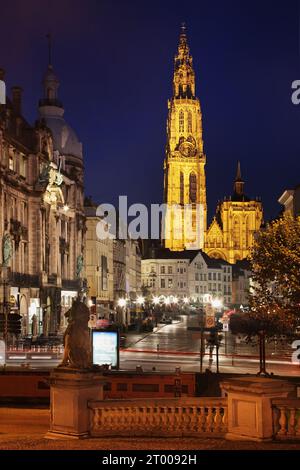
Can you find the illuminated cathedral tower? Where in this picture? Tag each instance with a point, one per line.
(184, 173)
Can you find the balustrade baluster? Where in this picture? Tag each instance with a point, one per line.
(209, 419)
(282, 421)
(292, 422)
(218, 420)
(202, 419)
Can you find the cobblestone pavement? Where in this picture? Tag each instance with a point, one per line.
(24, 429)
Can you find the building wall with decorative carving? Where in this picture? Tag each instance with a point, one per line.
(41, 216)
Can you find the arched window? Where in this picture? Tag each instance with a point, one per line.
(181, 188)
(236, 232)
(193, 188)
(181, 121)
(248, 237)
(190, 120)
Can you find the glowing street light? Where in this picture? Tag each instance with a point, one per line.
(122, 302)
(185, 300)
(217, 303)
(140, 300)
(156, 300)
(167, 301)
(175, 300)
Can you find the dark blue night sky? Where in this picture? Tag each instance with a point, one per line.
(115, 62)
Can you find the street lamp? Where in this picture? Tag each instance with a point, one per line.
(140, 300)
(186, 300)
(217, 304)
(122, 302)
(156, 300)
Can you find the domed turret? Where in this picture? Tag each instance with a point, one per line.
(51, 110)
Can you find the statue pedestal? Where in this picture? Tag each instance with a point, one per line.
(250, 414)
(70, 391)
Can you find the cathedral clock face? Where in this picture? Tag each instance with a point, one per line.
(188, 147)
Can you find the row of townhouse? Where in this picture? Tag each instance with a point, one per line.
(188, 274)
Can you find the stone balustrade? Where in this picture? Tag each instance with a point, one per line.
(159, 417)
(286, 418)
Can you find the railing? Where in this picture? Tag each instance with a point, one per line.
(71, 284)
(159, 417)
(26, 280)
(286, 418)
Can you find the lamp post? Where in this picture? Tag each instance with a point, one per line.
(122, 302)
(201, 320)
(156, 302)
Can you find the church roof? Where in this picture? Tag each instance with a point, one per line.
(65, 139)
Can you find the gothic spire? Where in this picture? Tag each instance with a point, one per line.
(238, 172)
(238, 183)
(50, 82)
(184, 76)
(49, 37)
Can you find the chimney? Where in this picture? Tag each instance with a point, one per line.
(17, 99)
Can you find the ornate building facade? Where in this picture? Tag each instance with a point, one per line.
(231, 233)
(42, 222)
(184, 166)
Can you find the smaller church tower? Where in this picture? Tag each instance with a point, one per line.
(231, 233)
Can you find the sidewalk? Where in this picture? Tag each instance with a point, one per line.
(24, 429)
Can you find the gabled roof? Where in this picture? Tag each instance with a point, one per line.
(190, 255)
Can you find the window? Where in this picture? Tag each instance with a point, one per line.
(162, 270)
(193, 188)
(209, 286)
(197, 289)
(181, 188)
(23, 166)
(163, 283)
(103, 273)
(122, 387)
(209, 276)
(219, 276)
(145, 387)
(11, 163)
(190, 122)
(170, 283)
(181, 121)
(196, 277)
(170, 270)
(214, 276)
(219, 286)
(236, 233)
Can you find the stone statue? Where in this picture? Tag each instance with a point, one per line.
(7, 249)
(79, 265)
(77, 345)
